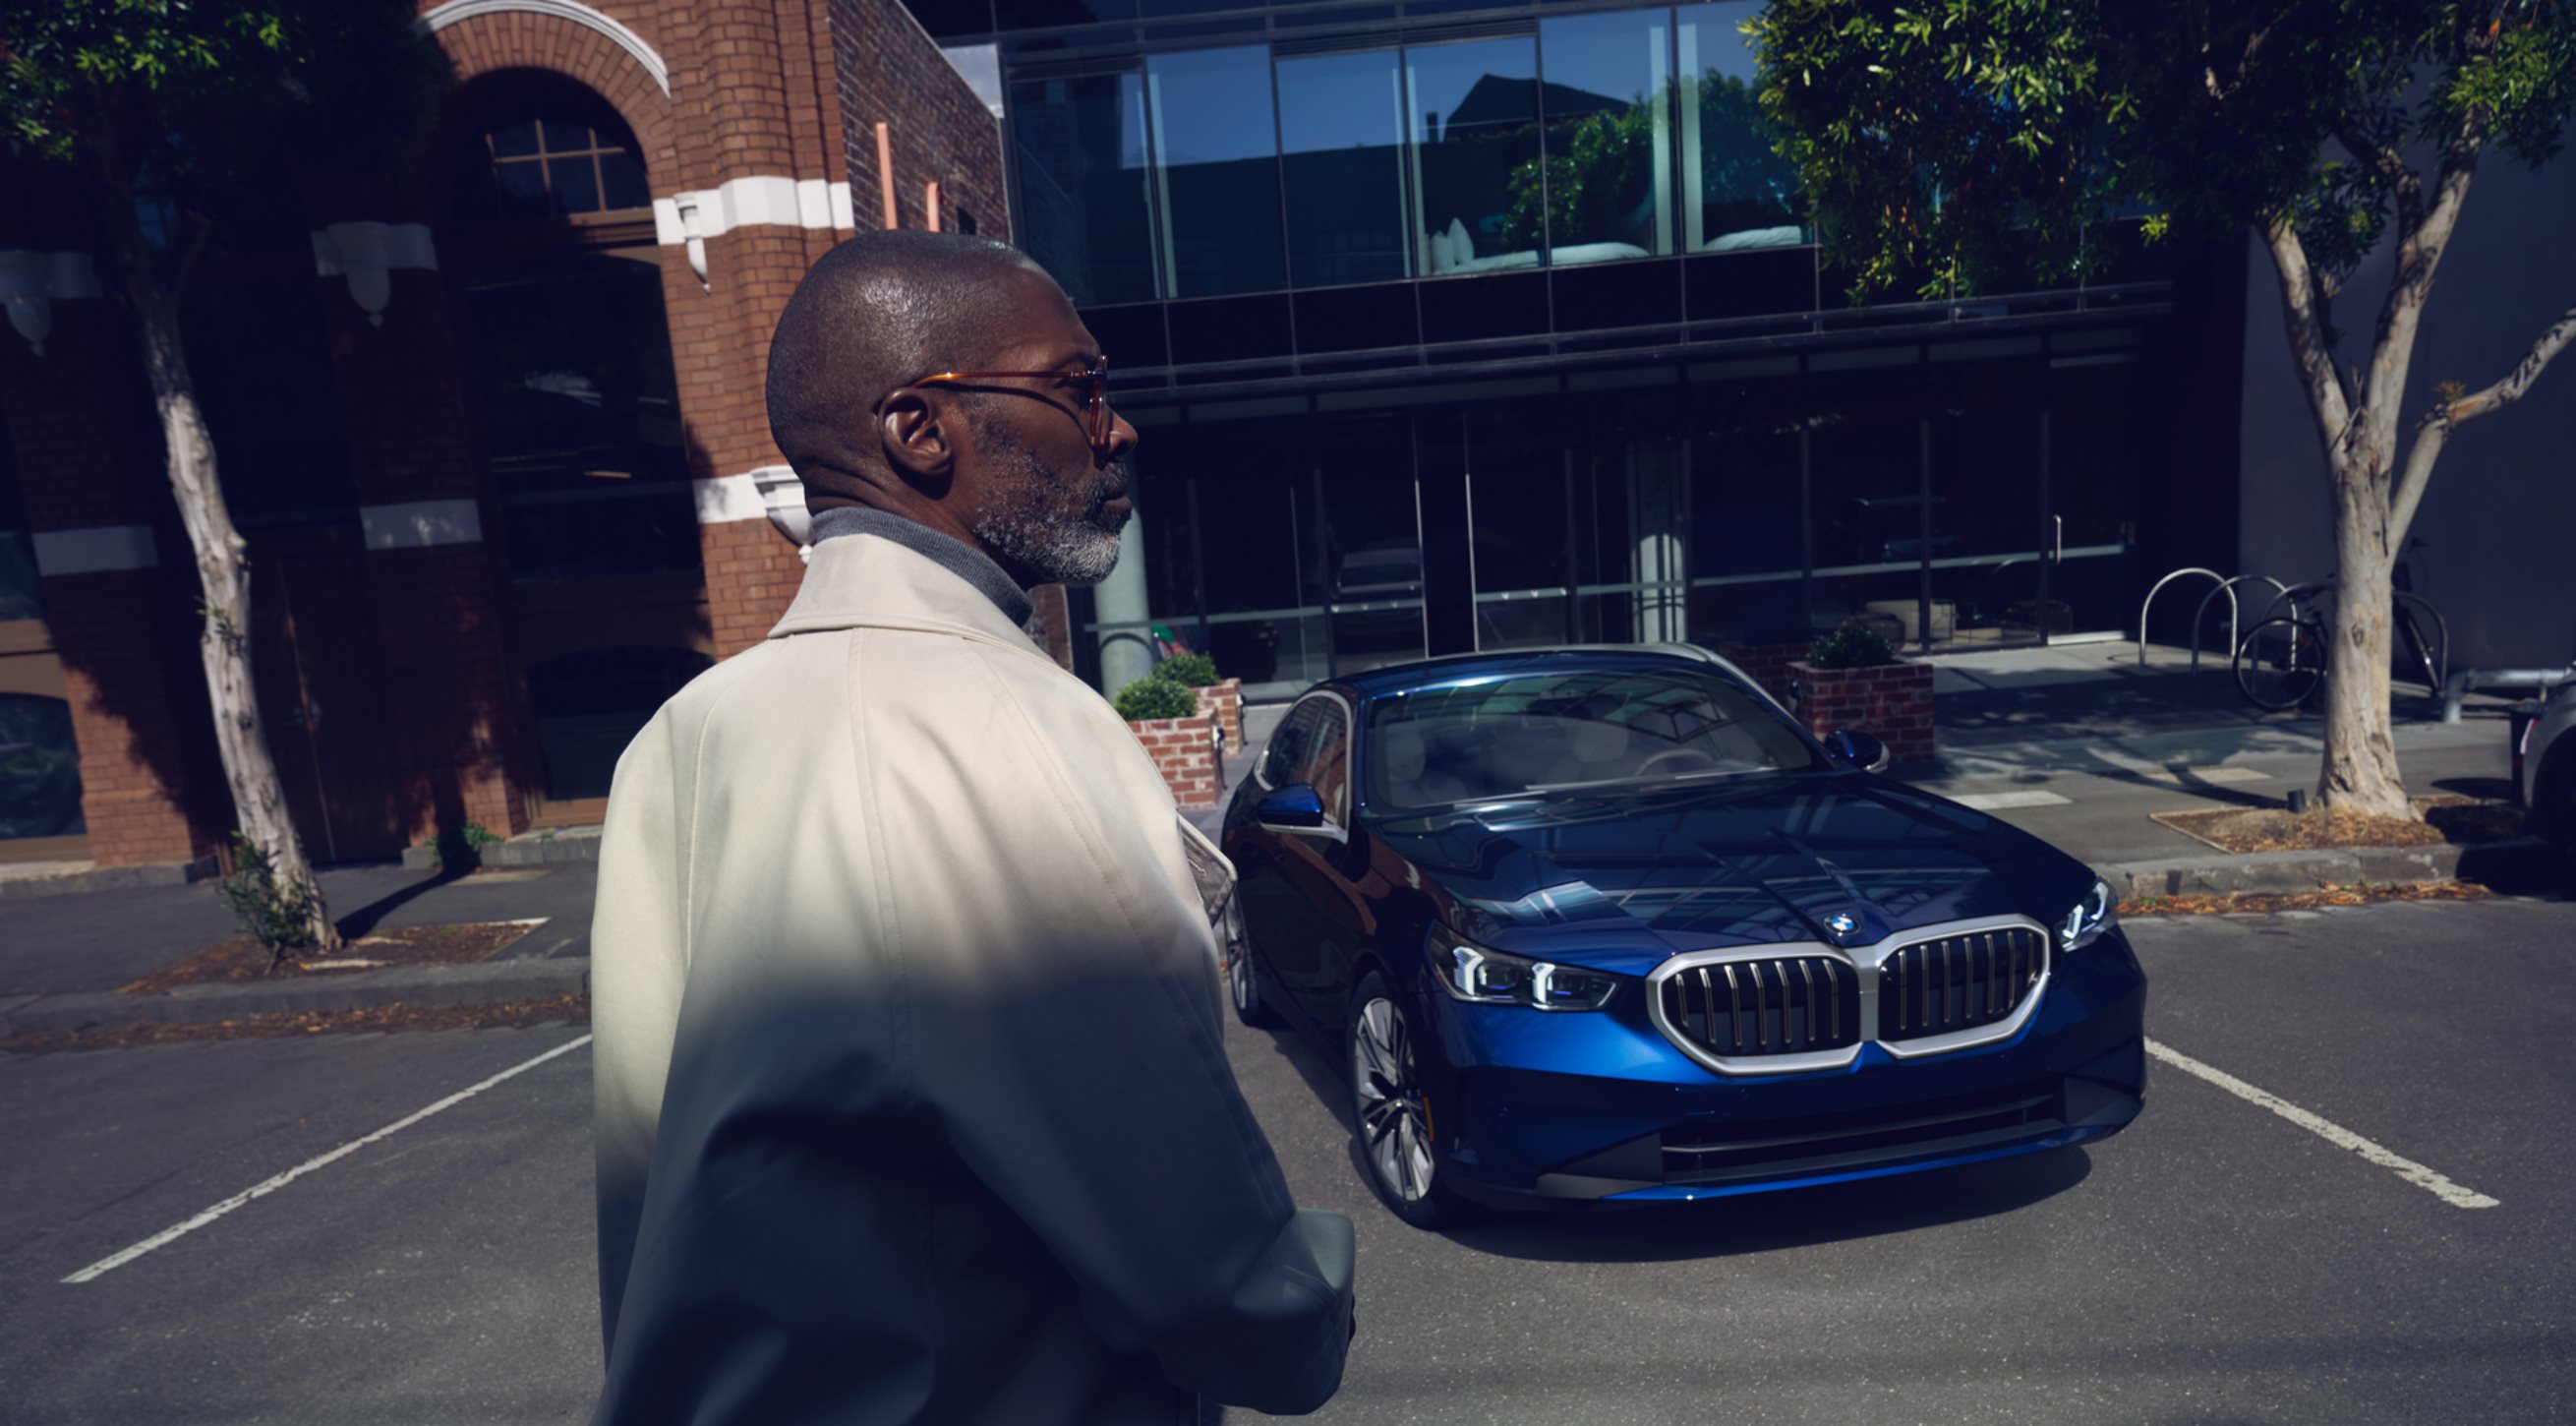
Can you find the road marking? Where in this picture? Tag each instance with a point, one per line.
(1998, 801)
(2220, 774)
(261, 1190)
(2426, 1179)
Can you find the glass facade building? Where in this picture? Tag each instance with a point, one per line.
(1452, 325)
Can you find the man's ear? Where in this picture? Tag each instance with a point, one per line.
(913, 427)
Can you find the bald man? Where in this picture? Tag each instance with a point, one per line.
(912, 1098)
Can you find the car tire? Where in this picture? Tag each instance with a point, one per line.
(1391, 1124)
(2553, 799)
(1242, 983)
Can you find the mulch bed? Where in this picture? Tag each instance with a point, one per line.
(243, 960)
(517, 1015)
(2259, 902)
(2456, 820)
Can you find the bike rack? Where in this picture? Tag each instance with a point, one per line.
(2234, 610)
(2200, 615)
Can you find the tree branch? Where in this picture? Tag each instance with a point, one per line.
(2380, 153)
(2437, 427)
(2420, 246)
(2303, 312)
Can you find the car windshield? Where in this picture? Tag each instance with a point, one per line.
(1541, 734)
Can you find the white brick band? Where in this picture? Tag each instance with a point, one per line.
(579, 14)
(765, 200)
(97, 550)
(421, 524)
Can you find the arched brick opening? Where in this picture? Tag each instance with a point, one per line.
(489, 44)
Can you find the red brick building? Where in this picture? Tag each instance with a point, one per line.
(497, 444)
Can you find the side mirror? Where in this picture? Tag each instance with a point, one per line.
(1861, 750)
(1290, 809)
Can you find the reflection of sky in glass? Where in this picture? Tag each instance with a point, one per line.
(1215, 104)
(1711, 31)
(1619, 57)
(1339, 101)
(1444, 75)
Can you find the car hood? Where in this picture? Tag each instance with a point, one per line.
(1622, 881)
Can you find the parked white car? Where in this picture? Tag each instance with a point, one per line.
(2549, 760)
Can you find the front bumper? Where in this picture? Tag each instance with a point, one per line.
(1533, 1109)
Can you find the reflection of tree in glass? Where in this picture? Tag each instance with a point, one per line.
(1743, 181)
(1595, 185)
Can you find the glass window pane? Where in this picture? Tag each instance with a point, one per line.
(514, 140)
(566, 138)
(1736, 193)
(576, 184)
(1081, 145)
(1215, 136)
(1473, 111)
(523, 188)
(1747, 549)
(1341, 127)
(621, 181)
(40, 781)
(1609, 127)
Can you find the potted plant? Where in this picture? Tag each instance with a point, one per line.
(1851, 678)
(1220, 698)
(1166, 719)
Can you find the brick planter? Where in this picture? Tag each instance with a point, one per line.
(1766, 664)
(1893, 701)
(1184, 752)
(1224, 703)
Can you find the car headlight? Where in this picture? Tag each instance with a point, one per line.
(2087, 920)
(1489, 977)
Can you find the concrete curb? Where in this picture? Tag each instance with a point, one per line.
(2220, 874)
(577, 844)
(109, 878)
(488, 983)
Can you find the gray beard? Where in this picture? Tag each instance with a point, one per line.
(1037, 525)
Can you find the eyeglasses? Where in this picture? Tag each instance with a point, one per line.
(1090, 387)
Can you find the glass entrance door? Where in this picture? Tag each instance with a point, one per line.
(1989, 548)
(1368, 539)
(2098, 453)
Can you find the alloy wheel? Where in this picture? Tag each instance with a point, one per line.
(1395, 1130)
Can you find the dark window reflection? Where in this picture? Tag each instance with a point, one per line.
(1747, 550)
(1341, 127)
(40, 784)
(588, 706)
(549, 168)
(582, 418)
(1473, 110)
(1218, 150)
(1736, 192)
(1609, 129)
(1081, 145)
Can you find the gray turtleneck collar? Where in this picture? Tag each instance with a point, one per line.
(946, 551)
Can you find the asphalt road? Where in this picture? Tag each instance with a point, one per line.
(2216, 1263)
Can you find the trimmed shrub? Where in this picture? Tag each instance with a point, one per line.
(1851, 646)
(1150, 698)
(1189, 670)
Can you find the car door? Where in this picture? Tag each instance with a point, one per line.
(1272, 920)
(1326, 919)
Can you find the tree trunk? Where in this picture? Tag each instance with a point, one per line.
(2360, 772)
(224, 640)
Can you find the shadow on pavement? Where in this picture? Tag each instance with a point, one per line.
(366, 918)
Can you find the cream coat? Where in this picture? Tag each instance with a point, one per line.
(912, 1098)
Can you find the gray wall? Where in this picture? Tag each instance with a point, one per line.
(2499, 520)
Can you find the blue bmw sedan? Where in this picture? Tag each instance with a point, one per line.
(1608, 926)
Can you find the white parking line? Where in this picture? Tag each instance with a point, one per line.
(261, 1190)
(2426, 1179)
(1998, 801)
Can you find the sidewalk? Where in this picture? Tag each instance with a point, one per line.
(2077, 745)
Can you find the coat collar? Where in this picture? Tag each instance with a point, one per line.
(865, 581)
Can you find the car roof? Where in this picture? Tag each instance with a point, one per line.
(1434, 673)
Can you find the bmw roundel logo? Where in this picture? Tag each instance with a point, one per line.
(1841, 923)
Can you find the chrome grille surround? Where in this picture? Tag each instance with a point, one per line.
(1866, 964)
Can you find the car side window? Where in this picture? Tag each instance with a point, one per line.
(1286, 756)
(1328, 766)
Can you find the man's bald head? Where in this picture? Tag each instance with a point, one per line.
(879, 310)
